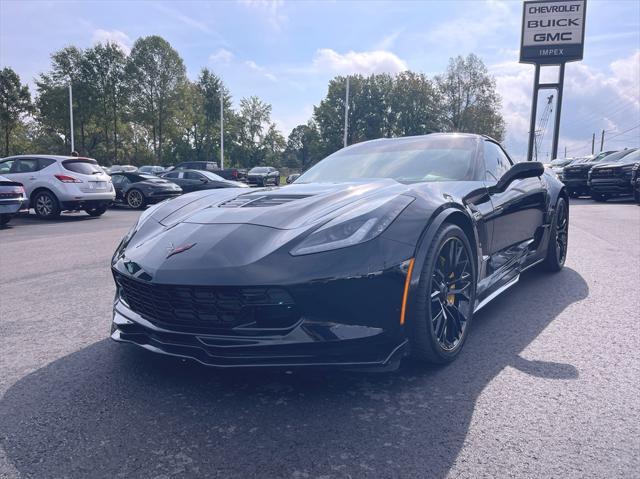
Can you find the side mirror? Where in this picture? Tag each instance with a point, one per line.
(520, 171)
(204, 180)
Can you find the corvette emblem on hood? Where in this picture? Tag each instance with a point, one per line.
(171, 249)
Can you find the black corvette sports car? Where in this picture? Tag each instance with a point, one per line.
(383, 249)
(138, 190)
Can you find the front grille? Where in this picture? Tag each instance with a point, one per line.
(604, 172)
(576, 173)
(208, 308)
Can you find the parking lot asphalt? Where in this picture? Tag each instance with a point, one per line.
(548, 384)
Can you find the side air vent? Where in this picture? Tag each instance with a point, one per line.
(260, 201)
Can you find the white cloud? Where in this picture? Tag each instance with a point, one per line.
(263, 71)
(185, 19)
(376, 61)
(593, 100)
(270, 10)
(221, 56)
(388, 41)
(467, 32)
(112, 36)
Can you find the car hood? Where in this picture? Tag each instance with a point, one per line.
(289, 207)
(607, 165)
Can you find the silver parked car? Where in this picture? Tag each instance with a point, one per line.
(60, 183)
(12, 199)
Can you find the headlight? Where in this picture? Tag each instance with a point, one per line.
(361, 223)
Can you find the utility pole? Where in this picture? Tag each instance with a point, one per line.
(565, 151)
(346, 114)
(593, 143)
(602, 141)
(73, 146)
(221, 131)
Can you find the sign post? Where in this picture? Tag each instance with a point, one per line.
(552, 34)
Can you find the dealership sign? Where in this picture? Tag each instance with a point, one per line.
(552, 31)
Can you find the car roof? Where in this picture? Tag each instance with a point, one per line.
(52, 157)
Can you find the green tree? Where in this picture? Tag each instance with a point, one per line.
(15, 102)
(156, 73)
(257, 137)
(103, 69)
(471, 101)
(416, 105)
(303, 146)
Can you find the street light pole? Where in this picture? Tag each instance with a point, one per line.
(346, 114)
(73, 147)
(221, 132)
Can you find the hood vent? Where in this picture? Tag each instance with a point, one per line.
(246, 201)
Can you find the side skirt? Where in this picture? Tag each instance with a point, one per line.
(496, 293)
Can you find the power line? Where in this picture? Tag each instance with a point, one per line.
(625, 131)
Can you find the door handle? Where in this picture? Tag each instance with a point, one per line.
(32, 177)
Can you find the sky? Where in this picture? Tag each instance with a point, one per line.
(286, 52)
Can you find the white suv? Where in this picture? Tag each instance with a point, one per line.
(60, 183)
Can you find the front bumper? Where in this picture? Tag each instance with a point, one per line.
(576, 184)
(348, 322)
(611, 186)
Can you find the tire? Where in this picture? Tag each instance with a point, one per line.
(430, 330)
(636, 196)
(600, 198)
(276, 181)
(97, 211)
(46, 205)
(4, 219)
(136, 200)
(558, 238)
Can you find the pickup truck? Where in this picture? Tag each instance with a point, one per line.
(233, 174)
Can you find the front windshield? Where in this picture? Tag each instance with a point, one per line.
(407, 160)
(617, 156)
(259, 170)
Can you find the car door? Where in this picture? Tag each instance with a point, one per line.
(518, 209)
(174, 177)
(195, 181)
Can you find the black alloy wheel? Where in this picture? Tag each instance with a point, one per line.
(447, 298)
(559, 238)
(135, 199)
(46, 205)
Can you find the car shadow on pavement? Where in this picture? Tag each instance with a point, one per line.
(112, 410)
(63, 218)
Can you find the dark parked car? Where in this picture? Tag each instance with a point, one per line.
(263, 176)
(12, 199)
(138, 190)
(233, 174)
(612, 177)
(383, 249)
(197, 165)
(635, 182)
(575, 175)
(196, 180)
